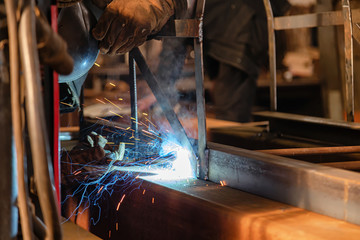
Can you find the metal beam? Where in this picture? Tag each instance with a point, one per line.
(325, 190)
(311, 20)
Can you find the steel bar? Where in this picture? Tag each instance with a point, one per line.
(311, 20)
(349, 61)
(164, 104)
(312, 151)
(133, 98)
(203, 164)
(133, 102)
(199, 12)
(272, 55)
(325, 190)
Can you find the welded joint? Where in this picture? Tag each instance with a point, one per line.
(203, 165)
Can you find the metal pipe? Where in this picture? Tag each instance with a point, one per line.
(36, 122)
(312, 151)
(17, 121)
(272, 55)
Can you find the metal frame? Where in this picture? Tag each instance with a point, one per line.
(346, 17)
(186, 28)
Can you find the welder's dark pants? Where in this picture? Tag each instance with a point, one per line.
(233, 93)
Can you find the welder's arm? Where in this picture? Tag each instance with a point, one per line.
(126, 24)
(52, 48)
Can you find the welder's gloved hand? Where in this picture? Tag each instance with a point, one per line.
(125, 24)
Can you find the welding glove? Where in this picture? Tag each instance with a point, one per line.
(126, 24)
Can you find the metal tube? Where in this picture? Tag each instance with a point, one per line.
(312, 151)
(36, 123)
(272, 55)
(349, 61)
(17, 121)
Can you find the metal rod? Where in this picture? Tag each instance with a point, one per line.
(312, 151)
(164, 104)
(133, 94)
(199, 12)
(133, 102)
(36, 123)
(349, 61)
(272, 55)
(17, 121)
(309, 20)
(203, 164)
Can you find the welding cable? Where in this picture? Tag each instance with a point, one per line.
(36, 122)
(17, 122)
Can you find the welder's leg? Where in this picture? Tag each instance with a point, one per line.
(234, 94)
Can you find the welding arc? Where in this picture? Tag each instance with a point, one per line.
(164, 104)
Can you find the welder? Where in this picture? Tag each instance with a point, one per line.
(114, 27)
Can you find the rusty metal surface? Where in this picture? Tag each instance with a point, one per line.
(329, 191)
